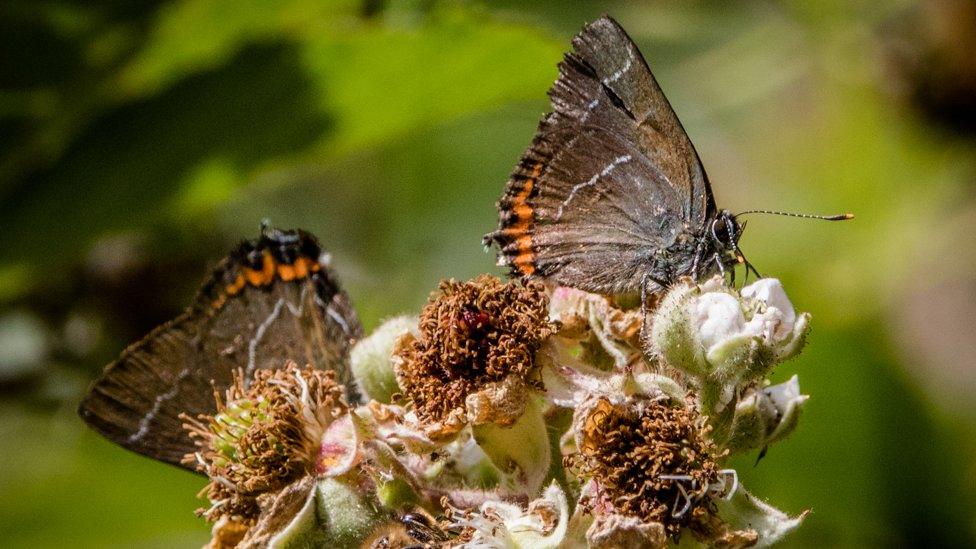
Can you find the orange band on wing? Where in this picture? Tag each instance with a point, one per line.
(519, 230)
(301, 268)
(286, 272)
(236, 286)
(268, 272)
(253, 277)
(524, 262)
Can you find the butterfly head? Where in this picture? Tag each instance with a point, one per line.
(724, 232)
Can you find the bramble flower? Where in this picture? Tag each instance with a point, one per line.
(787, 402)
(474, 358)
(274, 452)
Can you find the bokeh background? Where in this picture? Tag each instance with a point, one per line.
(139, 141)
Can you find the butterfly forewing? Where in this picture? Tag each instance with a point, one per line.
(616, 85)
(287, 308)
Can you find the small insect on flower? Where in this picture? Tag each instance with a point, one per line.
(474, 359)
(413, 529)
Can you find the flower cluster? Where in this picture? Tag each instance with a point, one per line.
(513, 415)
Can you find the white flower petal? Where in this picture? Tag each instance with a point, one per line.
(502, 525)
(717, 317)
(770, 291)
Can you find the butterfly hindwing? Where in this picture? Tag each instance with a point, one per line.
(272, 301)
(598, 220)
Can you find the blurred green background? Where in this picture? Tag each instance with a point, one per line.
(140, 140)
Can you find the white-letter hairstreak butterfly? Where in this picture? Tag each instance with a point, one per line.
(611, 196)
(272, 300)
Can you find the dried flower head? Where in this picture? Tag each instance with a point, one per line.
(477, 339)
(264, 436)
(648, 458)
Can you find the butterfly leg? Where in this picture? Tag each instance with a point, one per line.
(643, 293)
(717, 258)
(718, 261)
(646, 279)
(699, 252)
(749, 267)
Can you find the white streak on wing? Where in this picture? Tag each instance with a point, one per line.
(333, 314)
(589, 109)
(576, 188)
(338, 318)
(252, 346)
(616, 76)
(157, 405)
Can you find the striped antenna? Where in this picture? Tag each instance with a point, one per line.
(838, 217)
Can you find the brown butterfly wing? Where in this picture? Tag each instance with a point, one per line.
(232, 324)
(611, 178)
(627, 83)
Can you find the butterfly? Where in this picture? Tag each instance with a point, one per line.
(271, 300)
(611, 196)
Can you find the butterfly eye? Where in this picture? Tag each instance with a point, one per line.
(720, 231)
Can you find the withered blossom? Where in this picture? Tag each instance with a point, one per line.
(542, 524)
(474, 357)
(647, 458)
(609, 337)
(264, 436)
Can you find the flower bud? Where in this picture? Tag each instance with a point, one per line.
(723, 338)
(520, 451)
(787, 402)
(323, 513)
(762, 416)
(371, 358)
(742, 520)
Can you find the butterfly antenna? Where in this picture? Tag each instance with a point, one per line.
(838, 217)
